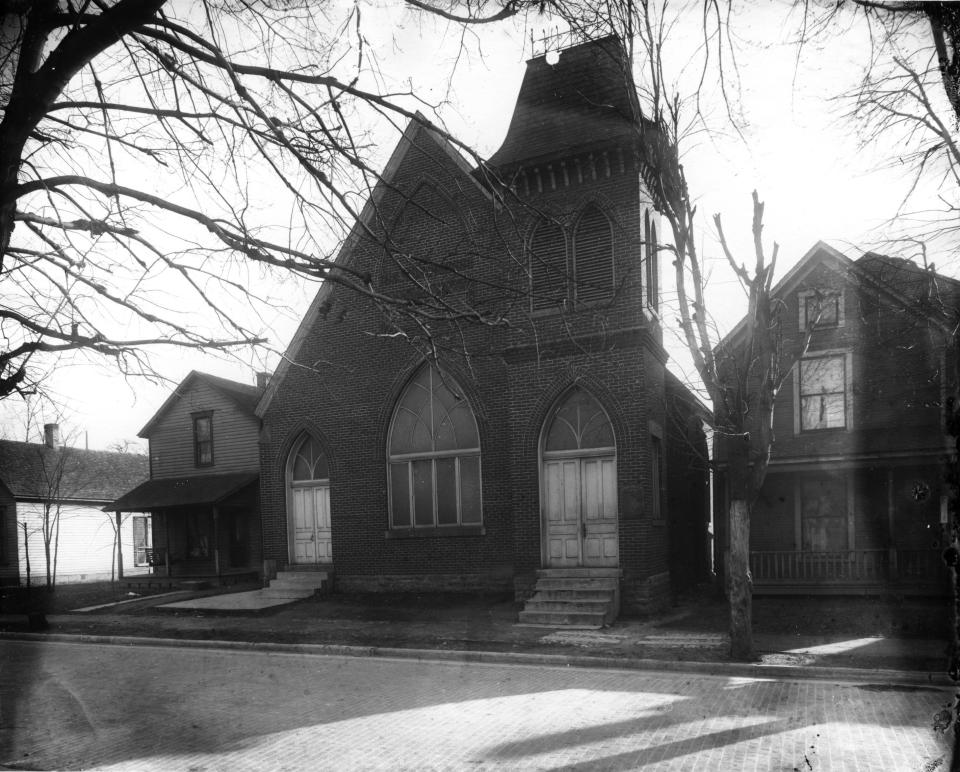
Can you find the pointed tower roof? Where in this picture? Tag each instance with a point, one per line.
(587, 97)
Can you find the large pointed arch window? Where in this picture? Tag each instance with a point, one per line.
(434, 452)
(593, 256)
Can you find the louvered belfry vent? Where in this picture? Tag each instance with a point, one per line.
(593, 257)
(548, 266)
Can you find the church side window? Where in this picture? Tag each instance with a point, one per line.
(434, 455)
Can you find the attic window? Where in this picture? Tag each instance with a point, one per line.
(821, 309)
(552, 57)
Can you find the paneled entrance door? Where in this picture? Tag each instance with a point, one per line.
(308, 481)
(311, 524)
(579, 486)
(581, 512)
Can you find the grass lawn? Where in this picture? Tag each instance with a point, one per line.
(66, 597)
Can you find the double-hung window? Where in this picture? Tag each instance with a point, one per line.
(203, 439)
(823, 392)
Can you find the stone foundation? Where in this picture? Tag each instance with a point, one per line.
(645, 595)
(474, 583)
(524, 586)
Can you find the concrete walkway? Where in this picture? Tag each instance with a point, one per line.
(484, 627)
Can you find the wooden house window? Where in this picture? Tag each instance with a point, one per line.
(203, 439)
(821, 309)
(142, 539)
(823, 392)
(823, 515)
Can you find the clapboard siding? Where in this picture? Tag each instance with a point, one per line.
(8, 538)
(86, 544)
(235, 435)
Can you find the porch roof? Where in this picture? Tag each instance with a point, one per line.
(182, 491)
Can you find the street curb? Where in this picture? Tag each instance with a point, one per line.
(738, 669)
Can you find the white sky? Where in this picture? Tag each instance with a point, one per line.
(797, 150)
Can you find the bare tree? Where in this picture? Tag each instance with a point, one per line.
(163, 164)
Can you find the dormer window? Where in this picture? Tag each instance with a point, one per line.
(203, 439)
(821, 309)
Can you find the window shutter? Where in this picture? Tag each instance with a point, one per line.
(593, 255)
(548, 266)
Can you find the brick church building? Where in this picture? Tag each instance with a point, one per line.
(544, 450)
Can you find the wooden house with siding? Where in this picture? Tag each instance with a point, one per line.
(203, 493)
(855, 499)
(62, 490)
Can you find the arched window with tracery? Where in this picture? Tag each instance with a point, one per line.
(593, 256)
(434, 455)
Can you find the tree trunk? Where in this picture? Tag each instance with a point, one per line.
(740, 582)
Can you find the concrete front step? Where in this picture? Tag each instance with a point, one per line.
(562, 618)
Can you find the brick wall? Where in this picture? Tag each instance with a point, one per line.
(348, 376)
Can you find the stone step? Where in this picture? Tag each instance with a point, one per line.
(589, 606)
(574, 594)
(593, 620)
(589, 583)
(312, 578)
(579, 573)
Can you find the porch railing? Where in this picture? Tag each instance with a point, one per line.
(845, 567)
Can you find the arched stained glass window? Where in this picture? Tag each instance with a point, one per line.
(434, 450)
(309, 462)
(579, 423)
(593, 256)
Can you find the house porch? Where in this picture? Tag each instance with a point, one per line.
(845, 572)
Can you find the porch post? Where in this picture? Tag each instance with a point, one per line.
(166, 535)
(891, 516)
(216, 541)
(119, 547)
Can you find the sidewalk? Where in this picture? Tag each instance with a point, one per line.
(694, 632)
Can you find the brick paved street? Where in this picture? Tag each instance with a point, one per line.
(68, 705)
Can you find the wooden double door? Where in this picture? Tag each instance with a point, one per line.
(312, 537)
(579, 503)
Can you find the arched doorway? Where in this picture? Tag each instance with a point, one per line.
(308, 504)
(578, 485)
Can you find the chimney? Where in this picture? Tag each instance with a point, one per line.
(262, 380)
(51, 435)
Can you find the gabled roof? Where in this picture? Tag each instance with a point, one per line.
(586, 97)
(182, 491)
(415, 128)
(243, 395)
(900, 280)
(34, 471)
